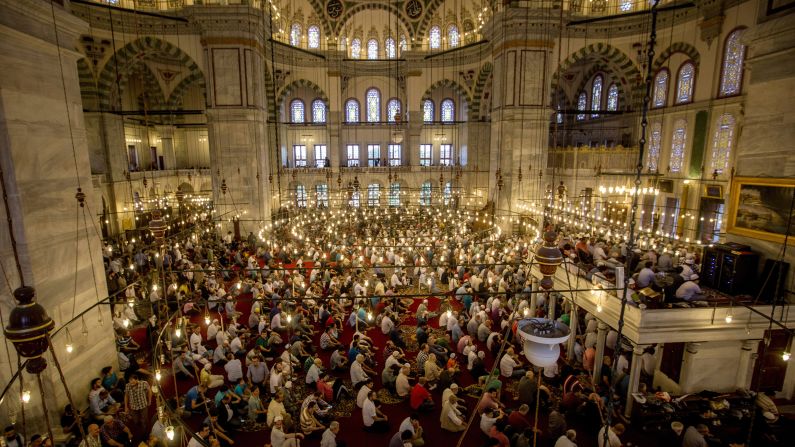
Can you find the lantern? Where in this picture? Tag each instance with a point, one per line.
(29, 329)
(548, 257)
(157, 226)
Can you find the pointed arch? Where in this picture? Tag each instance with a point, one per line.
(132, 54)
(610, 77)
(627, 73)
(677, 47)
(455, 86)
(175, 99)
(301, 83)
(483, 79)
(88, 85)
(389, 8)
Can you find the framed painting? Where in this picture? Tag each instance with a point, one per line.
(761, 208)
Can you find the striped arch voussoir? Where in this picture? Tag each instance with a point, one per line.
(291, 87)
(392, 9)
(427, 16)
(124, 61)
(480, 85)
(456, 87)
(677, 47)
(613, 58)
(175, 99)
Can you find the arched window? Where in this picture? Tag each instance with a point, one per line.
(352, 111)
(313, 36)
(612, 98)
(356, 49)
(295, 34)
(372, 49)
(321, 192)
(596, 95)
(425, 194)
(731, 75)
(318, 111)
(678, 145)
(447, 109)
(404, 45)
(660, 96)
(300, 196)
(427, 111)
(722, 143)
(394, 194)
(684, 83)
(373, 106)
(655, 142)
(447, 193)
(373, 194)
(297, 111)
(582, 104)
(452, 36)
(355, 199)
(435, 38)
(389, 47)
(392, 109)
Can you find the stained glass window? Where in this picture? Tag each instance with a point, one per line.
(389, 47)
(356, 48)
(435, 38)
(596, 95)
(582, 103)
(427, 111)
(678, 145)
(731, 75)
(612, 97)
(447, 192)
(404, 45)
(372, 49)
(447, 111)
(626, 5)
(660, 95)
(394, 194)
(295, 35)
(394, 154)
(297, 111)
(318, 111)
(373, 106)
(352, 111)
(425, 194)
(452, 36)
(392, 109)
(722, 143)
(321, 192)
(373, 194)
(655, 142)
(313, 37)
(300, 196)
(684, 83)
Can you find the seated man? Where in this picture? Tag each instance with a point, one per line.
(689, 290)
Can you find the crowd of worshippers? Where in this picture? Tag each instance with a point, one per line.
(352, 286)
(667, 269)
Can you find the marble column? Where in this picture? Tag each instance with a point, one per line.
(601, 336)
(573, 325)
(745, 363)
(634, 377)
(44, 158)
(688, 359)
(167, 146)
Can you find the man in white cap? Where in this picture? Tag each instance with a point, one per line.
(687, 269)
(689, 290)
(281, 439)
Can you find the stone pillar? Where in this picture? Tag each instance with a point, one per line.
(601, 336)
(109, 156)
(43, 156)
(167, 145)
(237, 113)
(573, 325)
(745, 363)
(691, 350)
(634, 377)
(519, 115)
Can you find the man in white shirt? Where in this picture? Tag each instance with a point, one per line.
(357, 371)
(212, 330)
(509, 365)
(612, 436)
(402, 385)
(689, 290)
(364, 391)
(313, 374)
(373, 419)
(234, 369)
(567, 440)
(329, 438)
(645, 276)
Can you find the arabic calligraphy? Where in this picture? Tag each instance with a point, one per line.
(334, 8)
(414, 9)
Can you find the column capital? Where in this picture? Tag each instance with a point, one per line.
(602, 326)
(693, 347)
(638, 349)
(749, 345)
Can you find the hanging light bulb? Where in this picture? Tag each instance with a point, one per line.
(170, 433)
(126, 322)
(785, 356)
(69, 348)
(526, 312)
(369, 316)
(207, 319)
(178, 332)
(26, 396)
(157, 375)
(289, 318)
(729, 318)
(449, 313)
